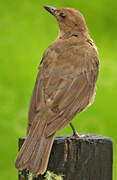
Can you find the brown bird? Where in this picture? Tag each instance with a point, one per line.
(65, 86)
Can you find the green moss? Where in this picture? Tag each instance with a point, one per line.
(31, 176)
(48, 176)
(52, 176)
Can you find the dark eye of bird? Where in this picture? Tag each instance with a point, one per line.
(75, 35)
(62, 15)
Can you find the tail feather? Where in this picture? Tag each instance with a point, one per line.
(35, 151)
(39, 160)
(37, 154)
(25, 151)
(28, 147)
(46, 155)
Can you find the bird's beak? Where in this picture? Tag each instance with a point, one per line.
(50, 9)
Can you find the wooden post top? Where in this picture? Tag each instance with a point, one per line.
(86, 158)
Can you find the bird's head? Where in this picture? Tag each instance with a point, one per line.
(71, 22)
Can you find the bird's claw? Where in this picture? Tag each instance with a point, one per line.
(78, 136)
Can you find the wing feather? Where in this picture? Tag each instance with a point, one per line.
(65, 91)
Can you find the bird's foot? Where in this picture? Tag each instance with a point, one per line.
(78, 136)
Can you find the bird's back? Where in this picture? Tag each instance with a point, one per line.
(62, 63)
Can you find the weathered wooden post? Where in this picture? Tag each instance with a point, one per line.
(88, 158)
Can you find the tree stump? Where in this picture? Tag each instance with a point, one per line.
(86, 158)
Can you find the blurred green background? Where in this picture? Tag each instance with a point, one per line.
(26, 30)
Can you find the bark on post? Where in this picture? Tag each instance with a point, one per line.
(88, 158)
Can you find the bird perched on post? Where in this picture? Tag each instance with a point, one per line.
(65, 86)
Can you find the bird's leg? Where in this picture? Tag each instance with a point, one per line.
(75, 133)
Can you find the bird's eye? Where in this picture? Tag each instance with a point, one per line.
(62, 15)
(74, 35)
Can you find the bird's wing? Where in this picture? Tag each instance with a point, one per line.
(70, 100)
(66, 85)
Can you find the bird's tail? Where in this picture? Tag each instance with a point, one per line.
(35, 152)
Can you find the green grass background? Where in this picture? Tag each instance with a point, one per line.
(26, 30)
